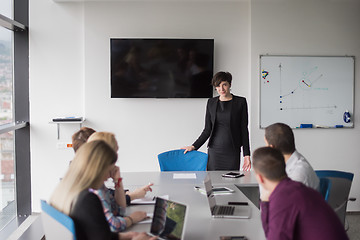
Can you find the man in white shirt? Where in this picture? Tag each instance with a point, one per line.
(281, 137)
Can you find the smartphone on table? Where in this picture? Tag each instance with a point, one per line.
(233, 174)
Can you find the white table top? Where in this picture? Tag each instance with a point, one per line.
(164, 178)
(200, 225)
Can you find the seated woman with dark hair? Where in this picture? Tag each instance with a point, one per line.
(82, 136)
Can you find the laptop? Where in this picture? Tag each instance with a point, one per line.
(224, 211)
(168, 220)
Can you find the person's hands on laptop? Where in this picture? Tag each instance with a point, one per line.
(136, 217)
(135, 236)
(144, 236)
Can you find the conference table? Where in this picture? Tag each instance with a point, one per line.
(199, 223)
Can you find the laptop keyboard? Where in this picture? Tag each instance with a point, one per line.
(224, 210)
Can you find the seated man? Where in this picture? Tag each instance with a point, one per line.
(289, 209)
(281, 137)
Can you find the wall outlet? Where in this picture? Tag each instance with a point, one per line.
(63, 145)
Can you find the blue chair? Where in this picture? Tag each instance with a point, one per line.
(57, 225)
(340, 189)
(325, 187)
(176, 160)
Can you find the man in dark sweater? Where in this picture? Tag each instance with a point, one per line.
(289, 209)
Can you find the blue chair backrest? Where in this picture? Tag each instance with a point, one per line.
(325, 187)
(340, 189)
(334, 174)
(176, 160)
(57, 225)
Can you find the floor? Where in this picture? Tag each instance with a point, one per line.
(352, 223)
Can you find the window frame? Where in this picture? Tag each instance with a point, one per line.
(21, 113)
(20, 123)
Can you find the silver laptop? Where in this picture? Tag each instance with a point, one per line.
(168, 220)
(224, 211)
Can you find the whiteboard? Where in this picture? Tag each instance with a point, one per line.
(306, 90)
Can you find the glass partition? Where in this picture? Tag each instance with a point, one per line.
(6, 76)
(7, 179)
(6, 8)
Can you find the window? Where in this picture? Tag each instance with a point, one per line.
(6, 75)
(6, 8)
(7, 186)
(15, 186)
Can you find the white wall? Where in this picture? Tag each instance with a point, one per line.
(56, 88)
(69, 75)
(325, 28)
(146, 127)
(69, 71)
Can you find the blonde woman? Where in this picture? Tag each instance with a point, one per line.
(89, 169)
(81, 137)
(114, 202)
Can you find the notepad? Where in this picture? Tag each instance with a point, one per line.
(184, 176)
(147, 200)
(217, 190)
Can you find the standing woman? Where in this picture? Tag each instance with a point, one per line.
(226, 127)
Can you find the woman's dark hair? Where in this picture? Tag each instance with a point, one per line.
(80, 137)
(221, 77)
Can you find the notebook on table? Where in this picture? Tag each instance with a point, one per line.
(224, 211)
(169, 219)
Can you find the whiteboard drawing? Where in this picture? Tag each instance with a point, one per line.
(306, 90)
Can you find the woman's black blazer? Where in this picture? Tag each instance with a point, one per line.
(238, 124)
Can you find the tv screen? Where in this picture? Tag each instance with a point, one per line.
(161, 68)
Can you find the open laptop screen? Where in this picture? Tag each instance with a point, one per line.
(209, 191)
(168, 219)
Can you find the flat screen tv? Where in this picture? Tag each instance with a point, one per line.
(161, 68)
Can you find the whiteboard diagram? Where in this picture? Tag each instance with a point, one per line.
(306, 90)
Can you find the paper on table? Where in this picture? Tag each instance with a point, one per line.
(217, 190)
(148, 200)
(148, 218)
(184, 176)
